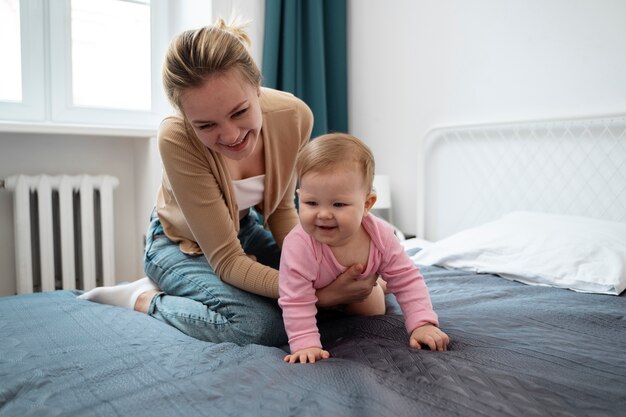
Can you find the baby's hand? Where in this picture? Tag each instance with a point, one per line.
(429, 335)
(307, 355)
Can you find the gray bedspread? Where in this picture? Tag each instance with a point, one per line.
(516, 350)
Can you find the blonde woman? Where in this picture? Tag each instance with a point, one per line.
(226, 201)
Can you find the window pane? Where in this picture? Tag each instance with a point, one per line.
(10, 41)
(111, 54)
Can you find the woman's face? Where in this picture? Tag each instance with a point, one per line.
(225, 114)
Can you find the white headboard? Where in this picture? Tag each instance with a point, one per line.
(474, 174)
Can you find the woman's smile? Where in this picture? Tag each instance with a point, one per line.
(239, 145)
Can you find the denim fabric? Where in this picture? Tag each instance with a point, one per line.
(198, 303)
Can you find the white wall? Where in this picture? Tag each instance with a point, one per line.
(128, 159)
(417, 65)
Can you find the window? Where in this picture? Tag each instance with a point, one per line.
(110, 44)
(21, 48)
(11, 70)
(96, 62)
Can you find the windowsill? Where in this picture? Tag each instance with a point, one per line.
(75, 129)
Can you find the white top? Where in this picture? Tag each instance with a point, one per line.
(249, 191)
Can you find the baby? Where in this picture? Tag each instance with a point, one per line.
(336, 231)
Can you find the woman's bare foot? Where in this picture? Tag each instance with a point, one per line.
(373, 305)
(383, 284)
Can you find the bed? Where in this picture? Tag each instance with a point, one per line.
(517, 349)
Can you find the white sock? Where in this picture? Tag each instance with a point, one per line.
(123, 295)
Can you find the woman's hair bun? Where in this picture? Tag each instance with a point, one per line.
(237, 27)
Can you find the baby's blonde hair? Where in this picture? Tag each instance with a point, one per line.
(326, 152)
(195, 55)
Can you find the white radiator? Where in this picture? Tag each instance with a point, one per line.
(63, 231)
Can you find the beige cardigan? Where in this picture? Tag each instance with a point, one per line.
(196, 202)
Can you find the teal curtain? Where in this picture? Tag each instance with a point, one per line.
(305, 53)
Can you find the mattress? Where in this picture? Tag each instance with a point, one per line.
(516, 350)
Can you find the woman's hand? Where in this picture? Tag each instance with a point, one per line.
(431, 336)
(346, 289)
(311, 355)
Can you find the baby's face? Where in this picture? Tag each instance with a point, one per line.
(333, 204)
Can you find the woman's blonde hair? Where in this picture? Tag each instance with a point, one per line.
(195, 55)
(326, 152)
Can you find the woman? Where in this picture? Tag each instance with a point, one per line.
(228, 160)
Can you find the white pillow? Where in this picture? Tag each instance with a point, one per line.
(579, 253)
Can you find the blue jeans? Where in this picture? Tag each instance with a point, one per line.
(198, 303)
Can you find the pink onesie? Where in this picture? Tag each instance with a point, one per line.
(307, 264)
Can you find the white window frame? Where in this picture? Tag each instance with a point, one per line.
(47, 72)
